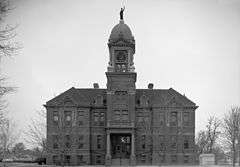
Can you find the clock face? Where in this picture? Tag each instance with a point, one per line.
(121, 56)
(121, 60)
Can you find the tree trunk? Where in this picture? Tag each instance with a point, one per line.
(234, 157)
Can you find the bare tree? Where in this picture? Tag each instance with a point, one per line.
(7, 46)
(231, 127)
(4, 90)
(18, 150)
(36, 133)
(202, 142)
(8, 136)
(206, 140)
(213, 132)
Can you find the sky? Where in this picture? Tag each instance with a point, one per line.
(192, 46)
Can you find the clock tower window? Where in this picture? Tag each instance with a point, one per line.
(121, 60)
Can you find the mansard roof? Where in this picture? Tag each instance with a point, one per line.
(156, 97)
(81, 97)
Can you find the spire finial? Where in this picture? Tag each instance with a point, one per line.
(121, 12)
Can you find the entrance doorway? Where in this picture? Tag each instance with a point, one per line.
(121, 146)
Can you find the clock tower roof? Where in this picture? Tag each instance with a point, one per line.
(121, 31)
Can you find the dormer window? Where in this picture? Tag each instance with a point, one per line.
(144, 101)
(98, 100)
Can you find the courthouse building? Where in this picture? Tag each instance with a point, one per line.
(120, 124)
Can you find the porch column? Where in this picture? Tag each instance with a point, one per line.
(108, 155)
(133, 158)
(108, 143)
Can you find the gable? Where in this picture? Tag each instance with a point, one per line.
(164, 97)
(182, 99)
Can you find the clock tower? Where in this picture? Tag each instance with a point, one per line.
(121, 92)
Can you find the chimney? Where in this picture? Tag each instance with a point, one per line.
(150, 86)
(95, 85)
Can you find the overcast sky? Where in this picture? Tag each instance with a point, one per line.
(192, 46)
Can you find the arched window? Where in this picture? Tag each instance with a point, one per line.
(186, 144)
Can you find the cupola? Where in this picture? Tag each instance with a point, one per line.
(121, 46)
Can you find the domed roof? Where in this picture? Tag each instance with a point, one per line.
(121, 30)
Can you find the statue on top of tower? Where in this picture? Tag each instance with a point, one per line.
(121, 13)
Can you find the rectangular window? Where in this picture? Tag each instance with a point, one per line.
(161, 138)
(80, 137)
(80, 141)
(80, 117)
(174, 158)
(173, 142)
(80, 123)
(102, 116)
(98, 159)
(67, 159)
(79, 159)
(186, 142)
(143, 158)
(99, 118)
(80, 145)
(143, 117)
(146, 119)
(117, 115)
(173, 119)
(67, 141)
(186, 159)
(186, 118)
(124, 115)
(55, 117)
(162, 142)
(68, 118)
(162, 158)
(55, 141)
(99, 141)
(140, 119)
(95, 117)
(55, 159)
(143, 141)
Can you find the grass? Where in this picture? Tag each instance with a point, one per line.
(36, 165)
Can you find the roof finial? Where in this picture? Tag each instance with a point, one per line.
(121, 12)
